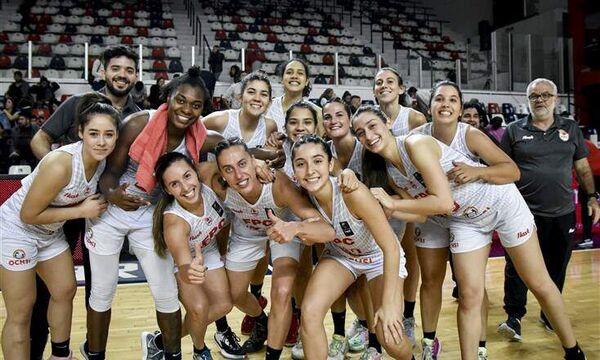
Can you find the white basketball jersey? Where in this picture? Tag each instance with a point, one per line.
(203, 229)
(355, 163)
(459, 142)
(352, 236)
(472, 201)
(258, 139)
(250, 221)
(75, 192)
(400, 125)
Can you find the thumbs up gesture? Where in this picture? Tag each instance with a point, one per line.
(281, 231)
(194, 272)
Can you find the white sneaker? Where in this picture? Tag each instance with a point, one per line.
(358, 337)
(298, 350)
(409, 330)
(338, 347)
(482, 353)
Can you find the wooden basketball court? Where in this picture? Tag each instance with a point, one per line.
(133, 312)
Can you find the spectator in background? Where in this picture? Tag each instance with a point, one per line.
(355, 102)
(236, 73)
(20, 151)
(98, 78)
(18, 90)
(233, 95)
(155, 91)
(25, 12)
(9, 114)
(412, 95)
(43, 92)
(347, 97)
(474, 114)
(327, 95)
(138, 93)
(215, 61)
(495, 128)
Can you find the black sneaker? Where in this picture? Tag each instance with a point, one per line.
(229, 345)
(511, 329)
(544, 321)
(257, 338)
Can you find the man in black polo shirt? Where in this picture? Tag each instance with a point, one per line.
(120, 72)
(546, 147)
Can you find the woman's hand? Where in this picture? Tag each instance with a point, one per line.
(281, 231)
(195, 272)
(347, 181)
(93, 206)
(263, 172)
(390, 319)
(462, 173)
(384, 199)
(122, 199)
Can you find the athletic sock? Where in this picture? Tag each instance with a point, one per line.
(256, 290)
(173, 356)
(409, 309)
(482, 343)
(339, 321)
(196, 351)
(363, 323)
(294, 305)
(222, 324)
(61, 349)
(374, 343)
(272, 354)
(429, 335)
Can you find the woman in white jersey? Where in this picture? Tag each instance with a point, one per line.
(433, 240)
(132, 191)
(347, 153)
(61, 188)
(469, 207)
(249, 122)
(296, 86)
(187, 220)
(364, 244)
(389, 92)
(256, 209)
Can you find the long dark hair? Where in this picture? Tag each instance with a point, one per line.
(163, 163)
(308, 86)
(94, 103)
(302, 104)
(373, 165)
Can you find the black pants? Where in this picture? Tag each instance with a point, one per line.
(556, 241)
(74, 230)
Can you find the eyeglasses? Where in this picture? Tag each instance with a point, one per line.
(544, 96)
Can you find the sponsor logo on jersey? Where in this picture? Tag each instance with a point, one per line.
(346, 228)
(419, 178)
(219, 209)
(253, 211)
(527, 137)
(563, 135)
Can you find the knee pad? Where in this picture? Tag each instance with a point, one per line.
(101, 297)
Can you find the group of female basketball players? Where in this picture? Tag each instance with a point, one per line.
(387, 197)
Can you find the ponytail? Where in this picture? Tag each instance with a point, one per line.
(160, 245)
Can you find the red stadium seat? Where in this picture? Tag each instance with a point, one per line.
(494, 108)
(332, 40)
(272, 38)
(168, 23)
(158, 53)
(10, 48)
(3, 37)
(253, 45)
(41, 28)
(143, 31)
(113, 30)
(127, 40)
(159, 65)
(129, 22)
(265, 29)
(116, 13)
(65, 39)
(35, 73)
(33, 37)
(241, 28)
(161, 75)
(5, 62)
(129, 14)
(313, 31)
(236, 19)
(221, 35)
(305, 49)
(45, 50)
